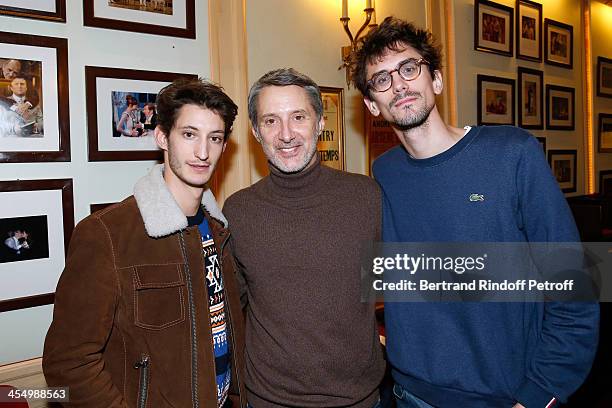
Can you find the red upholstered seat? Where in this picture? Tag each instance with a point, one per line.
(17, 403)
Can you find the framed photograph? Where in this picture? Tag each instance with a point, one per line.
(558, 44)
(493, 25)
(605, 182)
(35, 226)
(175, 18)
(34, 118)
(50, 10)
(331, 140)
(528, 30)
(380, 137)
(560, 107)
(604, 133)
(542, 141)
(604, 77)
(121, 113)
(530, 98)
(563, 165)
(495, 100)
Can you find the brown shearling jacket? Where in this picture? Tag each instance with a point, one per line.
(131, 326)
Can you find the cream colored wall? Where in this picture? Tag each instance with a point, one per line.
(22, 331)
(601, 30)
(469, 63)
(308, 35)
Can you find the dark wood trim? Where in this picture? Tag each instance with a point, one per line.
(59, 15)
(91, 74)
(89, 19)
(63, 112)
(25, 302)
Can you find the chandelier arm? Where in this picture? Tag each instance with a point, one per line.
(368, 12)
(345, 22)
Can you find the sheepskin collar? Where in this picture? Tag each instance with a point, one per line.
(161, 213)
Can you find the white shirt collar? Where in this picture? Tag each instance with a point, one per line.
(18, 99)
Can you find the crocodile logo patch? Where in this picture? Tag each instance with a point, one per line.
(476, 197)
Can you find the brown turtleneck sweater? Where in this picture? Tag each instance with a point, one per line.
(310, 341)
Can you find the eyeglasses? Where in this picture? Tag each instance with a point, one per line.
(409, 70)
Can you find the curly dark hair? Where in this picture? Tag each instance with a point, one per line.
(393, 34)
(194, 92)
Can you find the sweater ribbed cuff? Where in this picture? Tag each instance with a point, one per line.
(531, 395)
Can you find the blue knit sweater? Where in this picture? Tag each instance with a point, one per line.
(483, 354)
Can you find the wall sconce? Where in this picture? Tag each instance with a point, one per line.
(348, 50)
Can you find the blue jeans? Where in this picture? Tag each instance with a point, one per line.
(405, 399)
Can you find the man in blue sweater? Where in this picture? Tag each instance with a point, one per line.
(470, 354)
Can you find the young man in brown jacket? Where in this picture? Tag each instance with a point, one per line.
(146, 312)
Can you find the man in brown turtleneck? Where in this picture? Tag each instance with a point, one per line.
(297, 235)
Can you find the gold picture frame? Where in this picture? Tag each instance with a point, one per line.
(330, 145)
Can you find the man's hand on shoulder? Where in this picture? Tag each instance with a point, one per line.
(518, 405)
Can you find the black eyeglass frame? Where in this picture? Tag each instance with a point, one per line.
(418, 63)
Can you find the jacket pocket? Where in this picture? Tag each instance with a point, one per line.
(143, 382)
(159, 296)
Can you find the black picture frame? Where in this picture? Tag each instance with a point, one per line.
(91, 19)
(67, 222)
(493, 32)
(489, 98)
(564, 165)
(605, 182)
(92, 75)
(604, 77)
(542, 141)
(59, 15)
(530, 98)
(556, 52)
(556, 111)
(60, 47)
(528, 30)
(604, 133)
